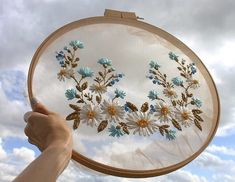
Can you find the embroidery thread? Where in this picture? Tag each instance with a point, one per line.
(168, 113)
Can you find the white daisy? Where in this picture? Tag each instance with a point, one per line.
(112, 111)
(141, 123)
(170, 93)
(163, 112)
(193, 83)
(90, 115)
(185, 116)
(65, 73)
(98, 89)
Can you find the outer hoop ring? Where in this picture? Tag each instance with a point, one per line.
(118, 171)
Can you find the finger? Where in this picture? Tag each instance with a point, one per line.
(27, 115)
(38, 107)
(32, 117)
(27, 130)
(34, 142)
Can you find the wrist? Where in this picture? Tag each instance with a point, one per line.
(58, 147)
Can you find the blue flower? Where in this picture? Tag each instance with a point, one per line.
(171, 135)
(115, 131)
(172, 56)
(126, 108)
(120, 75)
(105, 61)
(70, 94)
(177, 81)
(193, 69)
(152, 108)
(153, 64)
(66, 48)
(111, 69)
(153, 95)
(150, 77)
(85, 72)
(120, 93)
(156, 81)
(59, 55)
(62, 63)
(76, 44)
(197, 102)
(112, 82)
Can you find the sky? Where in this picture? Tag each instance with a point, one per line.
(207, 27)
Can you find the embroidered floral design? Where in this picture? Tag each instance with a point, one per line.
(115, 131)
(86, 72)
(163, 112)
(112, 111)
(171, 105)
(91, 115)
(171, 135)
(142, 123)
(70, 94)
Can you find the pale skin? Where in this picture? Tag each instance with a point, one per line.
(49, 132)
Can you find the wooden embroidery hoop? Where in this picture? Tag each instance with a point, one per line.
(129, 18)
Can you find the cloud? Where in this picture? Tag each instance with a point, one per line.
(13, 162)
(3, 153)
(13, 83)
(220, 168)
(12, 123)
(221, 150)
(23, 154)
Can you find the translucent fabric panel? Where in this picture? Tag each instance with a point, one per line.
(179, 105)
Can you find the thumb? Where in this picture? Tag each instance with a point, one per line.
(38, 107)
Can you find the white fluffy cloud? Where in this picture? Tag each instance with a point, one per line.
(221, 149)
(12, 123)
(3, 154)
(13, 162)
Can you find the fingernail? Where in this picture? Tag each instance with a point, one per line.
(33, 101)
(26, 116)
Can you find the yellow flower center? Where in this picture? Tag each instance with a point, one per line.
(90, 115)
(62, 72)
(170, 92)
(99, 88)
(164, 111)
(185, 115)
(142, 123)
(112, 110)
(195, 82)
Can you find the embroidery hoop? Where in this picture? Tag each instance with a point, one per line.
(125, 18)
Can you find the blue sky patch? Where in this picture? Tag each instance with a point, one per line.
(13, 83)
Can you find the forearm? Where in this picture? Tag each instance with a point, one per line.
(48, 166)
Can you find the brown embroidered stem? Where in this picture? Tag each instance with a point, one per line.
(75, 80)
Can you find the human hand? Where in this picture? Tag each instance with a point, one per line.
(46, 129)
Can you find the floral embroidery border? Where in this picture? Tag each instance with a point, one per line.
(96, 111)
